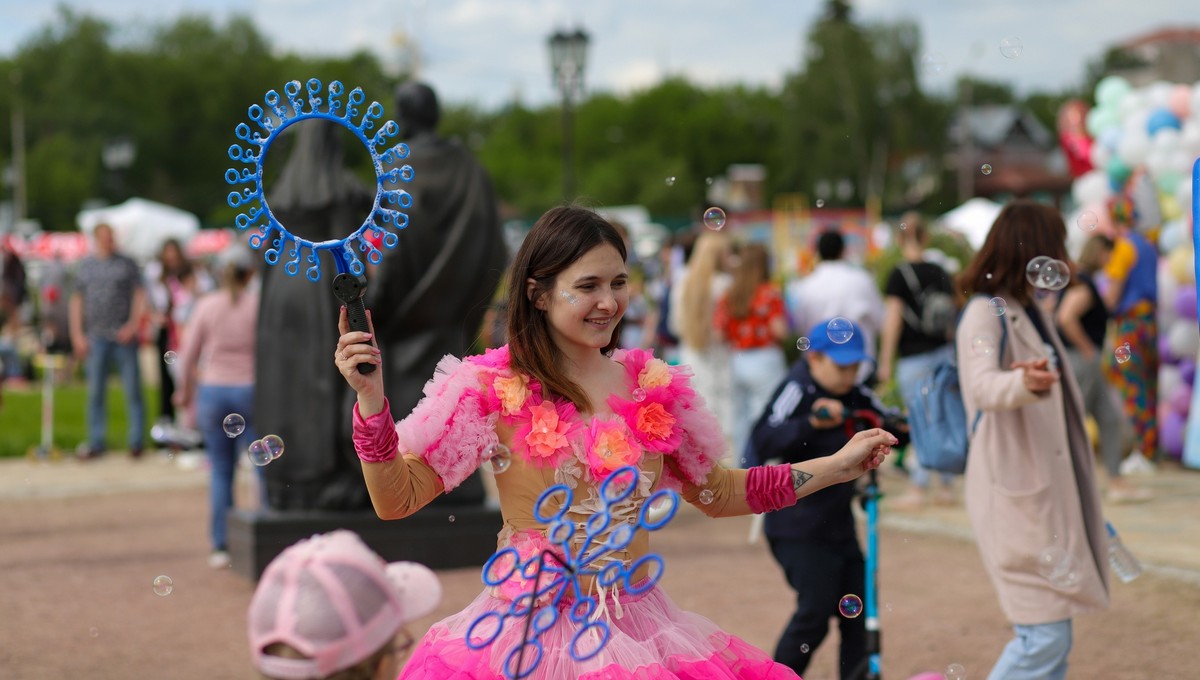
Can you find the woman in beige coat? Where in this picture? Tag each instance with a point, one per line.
(1030, 489)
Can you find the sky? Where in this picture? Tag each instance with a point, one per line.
(490, 52)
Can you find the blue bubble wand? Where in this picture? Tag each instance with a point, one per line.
(566, 568)
(1196, 223)
(311, 101)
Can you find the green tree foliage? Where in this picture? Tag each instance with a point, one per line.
(176, 92)
(853, 110)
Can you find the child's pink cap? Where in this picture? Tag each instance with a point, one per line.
(336, 602)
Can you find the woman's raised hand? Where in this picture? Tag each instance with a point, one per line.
(1038, 376)
(865, 451)
(354, 348)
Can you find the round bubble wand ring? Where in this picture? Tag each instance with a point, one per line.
(553, 576)
(311, 101)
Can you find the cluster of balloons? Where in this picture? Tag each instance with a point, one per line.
(1155, 129)
(1143, 142)
(1178, 345)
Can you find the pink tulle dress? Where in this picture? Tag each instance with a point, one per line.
(660, 426)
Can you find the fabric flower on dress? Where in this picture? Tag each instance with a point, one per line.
(652, 423)
(656, 373)
(512, 390)
(609, 447)
(546, 434)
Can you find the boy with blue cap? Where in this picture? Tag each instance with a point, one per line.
(814, 541)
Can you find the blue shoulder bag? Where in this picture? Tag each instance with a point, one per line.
(938, 420)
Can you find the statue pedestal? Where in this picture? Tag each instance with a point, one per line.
(428, 537)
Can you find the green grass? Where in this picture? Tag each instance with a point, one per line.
(21, 418)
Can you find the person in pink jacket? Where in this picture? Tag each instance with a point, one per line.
(1030, 488)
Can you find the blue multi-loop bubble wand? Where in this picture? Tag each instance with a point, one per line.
(567, 567)
(311, 101)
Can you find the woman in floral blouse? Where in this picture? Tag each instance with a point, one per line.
(561, 405)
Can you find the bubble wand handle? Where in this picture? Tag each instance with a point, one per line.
(350, 289)
(1196, 220)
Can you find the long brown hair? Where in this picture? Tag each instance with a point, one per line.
(1023, 230)
(562, 236)
(753, 270)
(697, 302)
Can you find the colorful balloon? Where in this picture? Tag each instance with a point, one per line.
(1162, 119)
(1111, 90)
(1180, 101)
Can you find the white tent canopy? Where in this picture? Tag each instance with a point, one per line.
(141, 227)
(973, 220)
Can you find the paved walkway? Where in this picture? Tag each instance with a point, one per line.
(1164, 532)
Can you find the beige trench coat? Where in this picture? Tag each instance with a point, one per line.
(1030, 489)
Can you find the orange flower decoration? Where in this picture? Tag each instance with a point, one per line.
(654, 421)
(656, 373)
(512, 392)
(610, 448)
(547, 433)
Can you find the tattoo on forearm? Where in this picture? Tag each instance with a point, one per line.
(799, 477)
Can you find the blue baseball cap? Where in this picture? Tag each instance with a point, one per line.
(843, 343)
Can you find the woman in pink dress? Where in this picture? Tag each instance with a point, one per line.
(561, 405)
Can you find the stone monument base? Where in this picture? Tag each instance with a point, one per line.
(440, 537)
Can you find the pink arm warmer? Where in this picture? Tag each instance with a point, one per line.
(375, 438)
(769, 488)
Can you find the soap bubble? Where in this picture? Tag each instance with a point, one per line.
(706, 496)
(258, 453)
(1055, 275)
(804, 648)
(1057, 566)
(499, 457)
(274, 445)
(1123, 353)
(803, 344)
(170, 358)
(820, 203)
(1033, 270)
(1011, 47)
(639, 394)
(1087, 220)
(163, 585)
(451, 519)
(94, 632)
(850, 606)
(983, 345)
(998, 305)
(839, 330)
(671, 181)
(933, 63)
(955, 671)
(234, 424)
(714, 218)
(986, 168)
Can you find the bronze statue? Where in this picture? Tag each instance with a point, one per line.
(427, 298)
(429, 294)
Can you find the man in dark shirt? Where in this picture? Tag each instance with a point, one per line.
(106, 308)
(815, 541)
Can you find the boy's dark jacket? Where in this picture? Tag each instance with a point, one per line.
(783, 431)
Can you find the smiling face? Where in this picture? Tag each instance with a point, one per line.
(588, 299)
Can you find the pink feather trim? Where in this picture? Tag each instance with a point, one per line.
(451, 426)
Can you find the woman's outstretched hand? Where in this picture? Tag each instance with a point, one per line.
(865, 451)
(354, 348)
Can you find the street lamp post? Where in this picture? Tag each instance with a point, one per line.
(568, 58)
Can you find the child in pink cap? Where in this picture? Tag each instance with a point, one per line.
(328, 608)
